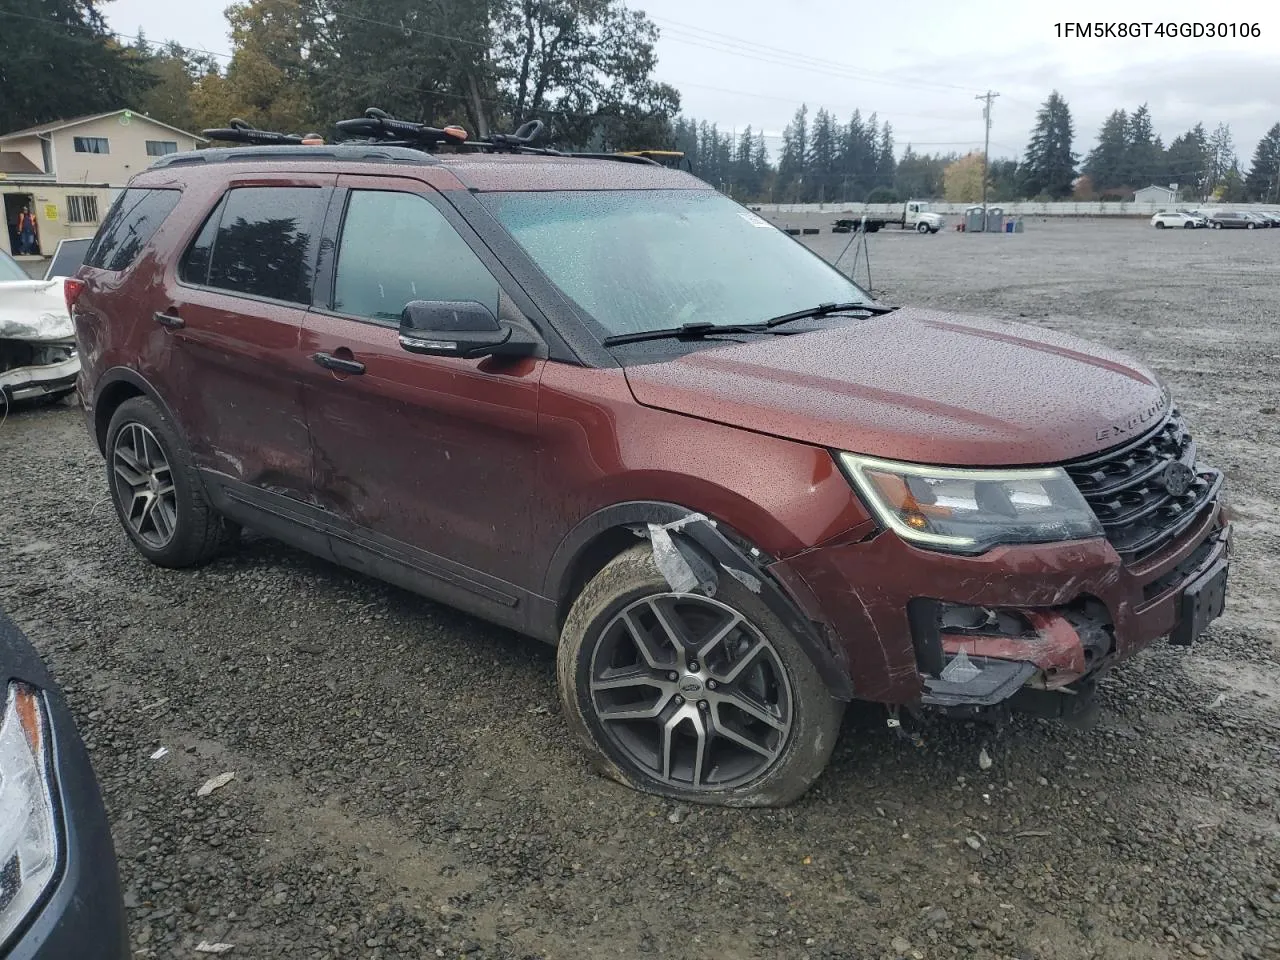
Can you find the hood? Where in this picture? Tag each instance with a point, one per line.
(34, 310)
(917, 385)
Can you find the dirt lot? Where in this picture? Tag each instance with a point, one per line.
(405, 788)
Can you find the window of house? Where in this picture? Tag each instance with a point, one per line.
(92, 145)
(161, 148)
(397, 247)
(82, 209)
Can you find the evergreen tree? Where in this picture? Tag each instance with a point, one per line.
(1141, 159)
(886, 165)
(851, 159)
(1187, 161)
(1263, 182)
(61, 61)
(795, 150)
(820, 166)
(1221, 155)
(1050, 166)
(1106, 164)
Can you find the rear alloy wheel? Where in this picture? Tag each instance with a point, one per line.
(1249, 226)
(156, 491)
(1160, 224)
(705, 699)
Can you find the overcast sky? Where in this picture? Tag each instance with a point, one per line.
(919, 65)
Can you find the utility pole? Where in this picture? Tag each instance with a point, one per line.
(986, 149)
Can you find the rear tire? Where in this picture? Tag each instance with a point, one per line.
(157, 493)
(1159, 224)
(752, 725)
(1249, 226)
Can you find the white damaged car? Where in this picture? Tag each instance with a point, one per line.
(37, 341)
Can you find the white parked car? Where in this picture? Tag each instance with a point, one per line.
(1177, 218)
(37, 341)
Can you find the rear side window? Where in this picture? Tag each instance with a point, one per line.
(397, 247)
(259, 241)
(130, 224)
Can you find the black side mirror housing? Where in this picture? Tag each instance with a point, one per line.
(459, 328)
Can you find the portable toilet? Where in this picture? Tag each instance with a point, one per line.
(973, 222)
(995, 219)
(1017, 225)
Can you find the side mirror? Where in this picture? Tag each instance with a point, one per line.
(459, 328)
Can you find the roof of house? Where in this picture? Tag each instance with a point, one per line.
(53, 125)
(1154, 186)
(17, 163)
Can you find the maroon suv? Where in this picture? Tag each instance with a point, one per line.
(601, 404)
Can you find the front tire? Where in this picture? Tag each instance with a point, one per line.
(1217, 226)
(1249, 226)
(922, 228)
(156, 491)
(701, 699)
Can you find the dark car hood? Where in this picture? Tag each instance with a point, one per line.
(917, 385)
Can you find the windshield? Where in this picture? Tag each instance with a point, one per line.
(639, 260)
(9, 269)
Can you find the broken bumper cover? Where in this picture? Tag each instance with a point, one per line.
(23, 383)
(1040, 616)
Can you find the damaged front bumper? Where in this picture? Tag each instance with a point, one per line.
(913, 626)
(31, 370)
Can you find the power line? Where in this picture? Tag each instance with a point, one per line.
(805, 59)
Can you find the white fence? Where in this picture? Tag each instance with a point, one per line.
(1024, 209)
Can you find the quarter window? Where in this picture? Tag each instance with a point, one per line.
(261, 244)
(397, 247)
(130, 223)
(92, 145)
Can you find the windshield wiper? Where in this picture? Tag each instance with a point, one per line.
(823, 309)
(700, 331)
(686, 331)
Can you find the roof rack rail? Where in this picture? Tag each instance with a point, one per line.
(239, 131)
(378, 126)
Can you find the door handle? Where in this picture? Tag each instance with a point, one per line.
(330, 362)
(170, 321)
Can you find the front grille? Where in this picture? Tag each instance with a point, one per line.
(1125, 487)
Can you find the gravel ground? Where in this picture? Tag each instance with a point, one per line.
(405, 788)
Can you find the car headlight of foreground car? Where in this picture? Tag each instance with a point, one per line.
(28, 817)
(969, 511)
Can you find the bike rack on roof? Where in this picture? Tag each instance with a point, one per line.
(379, 127)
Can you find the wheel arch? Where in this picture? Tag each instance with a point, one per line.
(600, 537)
(114, 388)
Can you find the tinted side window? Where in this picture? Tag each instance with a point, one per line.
(130, 223)
(195, 264)
(397, 247)
(264, 240)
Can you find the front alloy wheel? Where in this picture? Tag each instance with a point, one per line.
(144, 485)
(690, 692)
(707, 699)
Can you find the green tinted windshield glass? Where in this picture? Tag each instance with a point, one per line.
(654, 259)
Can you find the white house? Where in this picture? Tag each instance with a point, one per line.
(1156, 194)
(66, 172)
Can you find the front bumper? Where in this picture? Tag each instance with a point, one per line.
(24, 383)
(1080, 607)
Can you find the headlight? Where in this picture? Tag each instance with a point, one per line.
(28, 820)
(968, 511)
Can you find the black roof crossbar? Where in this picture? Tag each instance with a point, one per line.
(377, 130)
(238, 131)
(380, 127)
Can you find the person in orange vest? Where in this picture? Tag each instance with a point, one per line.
(26, 231)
